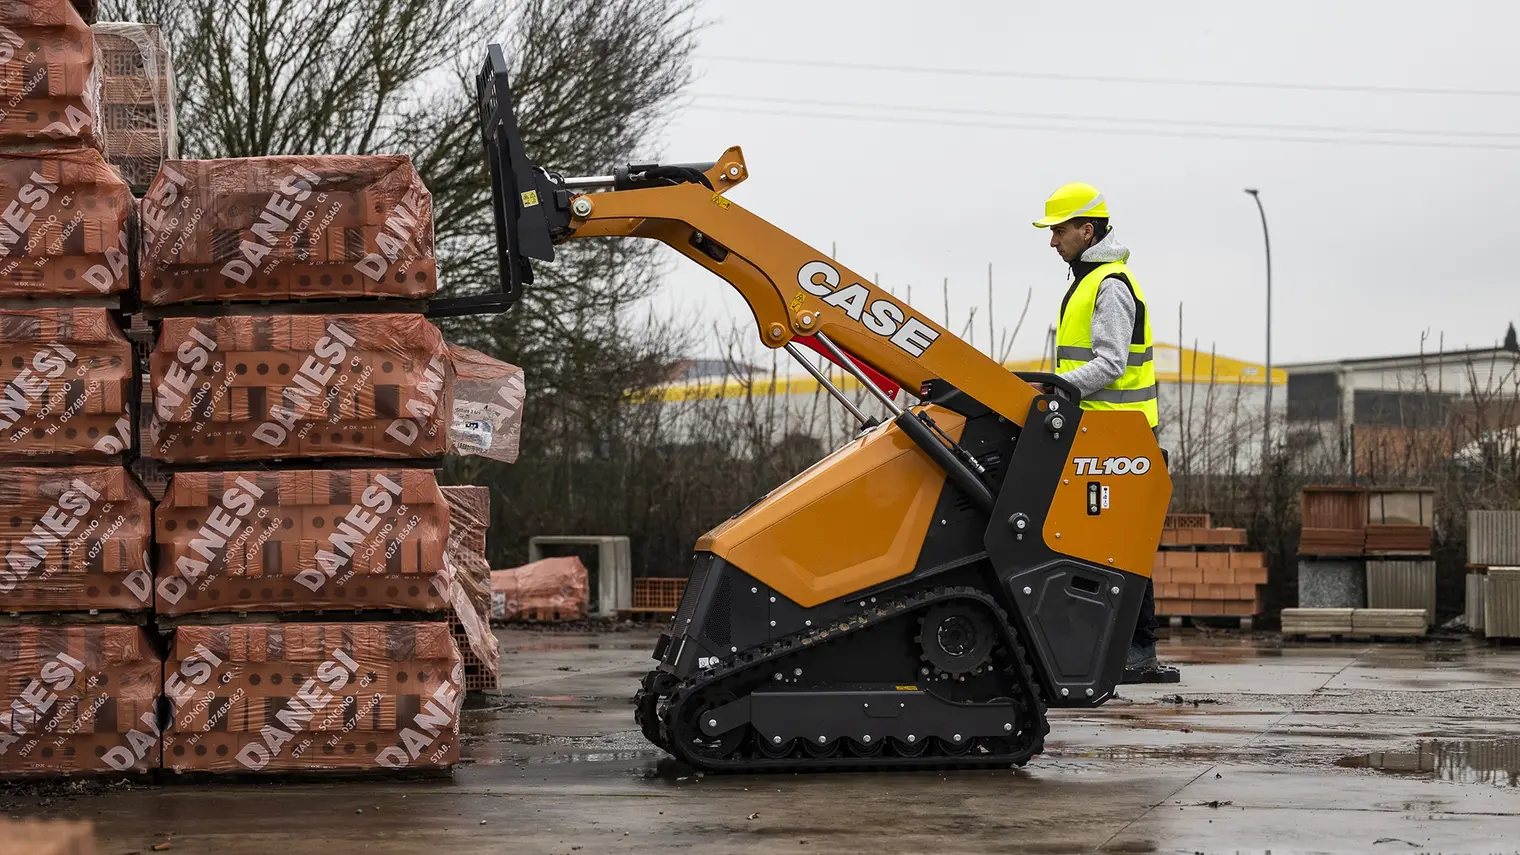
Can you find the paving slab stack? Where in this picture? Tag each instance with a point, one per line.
(1364, 562)
(246, 346)
(1493, 573)
(79, 673)
(1401, 571)
(1204, 571)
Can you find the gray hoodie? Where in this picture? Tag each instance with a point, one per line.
(1113, 323)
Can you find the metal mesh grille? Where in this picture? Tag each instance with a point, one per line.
(689, 599)
(718, 625)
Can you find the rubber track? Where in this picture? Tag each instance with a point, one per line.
(1031, 704)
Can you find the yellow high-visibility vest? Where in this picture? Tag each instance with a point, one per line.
(1136, 388)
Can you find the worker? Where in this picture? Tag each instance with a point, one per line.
(1103, 341)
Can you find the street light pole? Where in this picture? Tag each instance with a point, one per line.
(1266, 425)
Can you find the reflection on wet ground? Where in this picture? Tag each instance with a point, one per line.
(1352, 747)
(1489, 761)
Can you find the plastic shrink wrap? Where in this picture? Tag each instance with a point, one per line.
(65, 385)
(78, 699)
(64, 232)
(73, 538)
(287, 386)
(309, 697)
(469, 518)
(552, 586)
(49, 76)
(488, 403)
(136, 100)
(301, 540)
(275, 228)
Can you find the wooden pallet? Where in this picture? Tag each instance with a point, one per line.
(91, 617)
(168, 622)
(1243, 622)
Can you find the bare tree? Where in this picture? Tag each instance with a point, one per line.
(593, 81)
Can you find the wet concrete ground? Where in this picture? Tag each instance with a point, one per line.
(1381, 748)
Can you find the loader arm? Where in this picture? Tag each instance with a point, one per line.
(793, 289)
(796, 290)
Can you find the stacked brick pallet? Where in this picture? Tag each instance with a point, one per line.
(299, 599)
(1202, 571)
(301, 697)
(333, 568)
(78, 672)
(1364, 562)
(136, 100)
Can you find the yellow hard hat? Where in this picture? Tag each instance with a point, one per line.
(1072, 200)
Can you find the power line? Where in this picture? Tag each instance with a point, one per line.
(1102, 78)
(1150, 132)
(1075, 117)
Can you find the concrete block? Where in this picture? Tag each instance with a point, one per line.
(1335, 584)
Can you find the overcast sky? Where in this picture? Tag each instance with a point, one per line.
(1376, 236)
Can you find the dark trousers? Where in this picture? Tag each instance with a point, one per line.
(1146, 625)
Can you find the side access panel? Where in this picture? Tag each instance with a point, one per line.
(1077, 615)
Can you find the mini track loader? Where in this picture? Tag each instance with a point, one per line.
(918, 597)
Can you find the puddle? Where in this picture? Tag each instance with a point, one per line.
(593, 756)
(1467, 761)
(1187, 651)
(573, 645)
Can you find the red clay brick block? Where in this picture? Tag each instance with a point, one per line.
(313, 697)
(1191, 575)
(1214, 560)
(1219, 576)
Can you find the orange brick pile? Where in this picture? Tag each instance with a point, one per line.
(548, 589)
(1333, 521)
(332, 406)
(78, 699)
(1199, 572)
(470, 620)
(65, 386)
(313, 697)
(300, 539)
(276, 228)
(49, 75)
(74, 538)
(288, 386)
(64, 233)
(1349, 521)
(46, 837)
